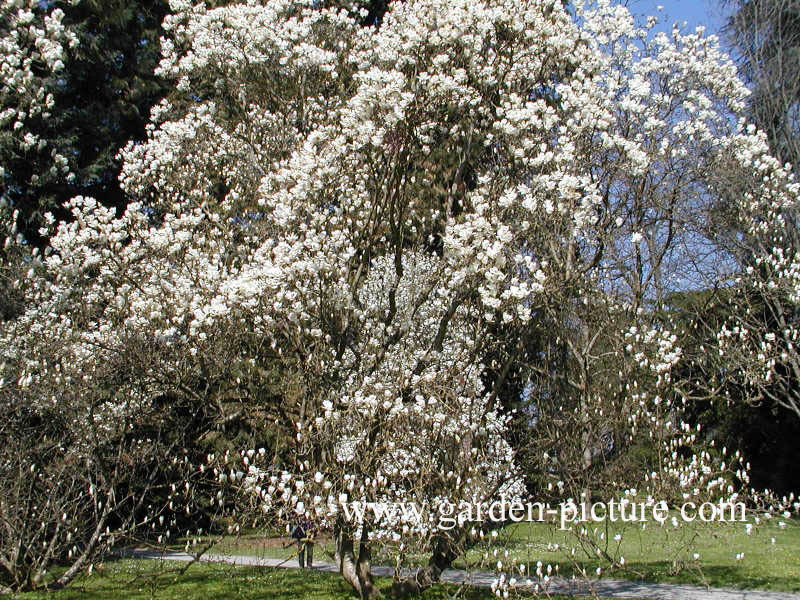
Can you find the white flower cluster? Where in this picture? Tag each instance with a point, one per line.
(33, 43)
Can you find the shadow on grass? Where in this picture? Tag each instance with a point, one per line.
(152, 580)
(712, 575)
(716, 576)
(155, 580)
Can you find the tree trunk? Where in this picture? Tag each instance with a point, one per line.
(369, 590)
(441, 558)
(345, 559)
(355, 572)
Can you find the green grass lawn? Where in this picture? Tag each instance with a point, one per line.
(153, 580)
(651, 554)
(659, 554)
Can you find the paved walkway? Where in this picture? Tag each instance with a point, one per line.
(604, 588)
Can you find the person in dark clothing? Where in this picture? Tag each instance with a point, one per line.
(303, 533)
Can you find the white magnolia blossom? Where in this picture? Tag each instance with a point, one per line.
(33, 45)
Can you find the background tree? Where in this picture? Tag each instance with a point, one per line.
(762, 239)
(765, 38)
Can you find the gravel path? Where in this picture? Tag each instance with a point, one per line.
(604, 588)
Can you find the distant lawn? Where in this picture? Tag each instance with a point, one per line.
(152, 580)
(650, 554)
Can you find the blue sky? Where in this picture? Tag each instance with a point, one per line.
(709, 13)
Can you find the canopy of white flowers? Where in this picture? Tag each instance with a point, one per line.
(351, 216)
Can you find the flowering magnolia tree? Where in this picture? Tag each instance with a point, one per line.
(350, 233)
(34, 44)
(90, 454)
(756, 330)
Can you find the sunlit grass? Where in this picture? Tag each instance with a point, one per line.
(655, 553)
(667, 554)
